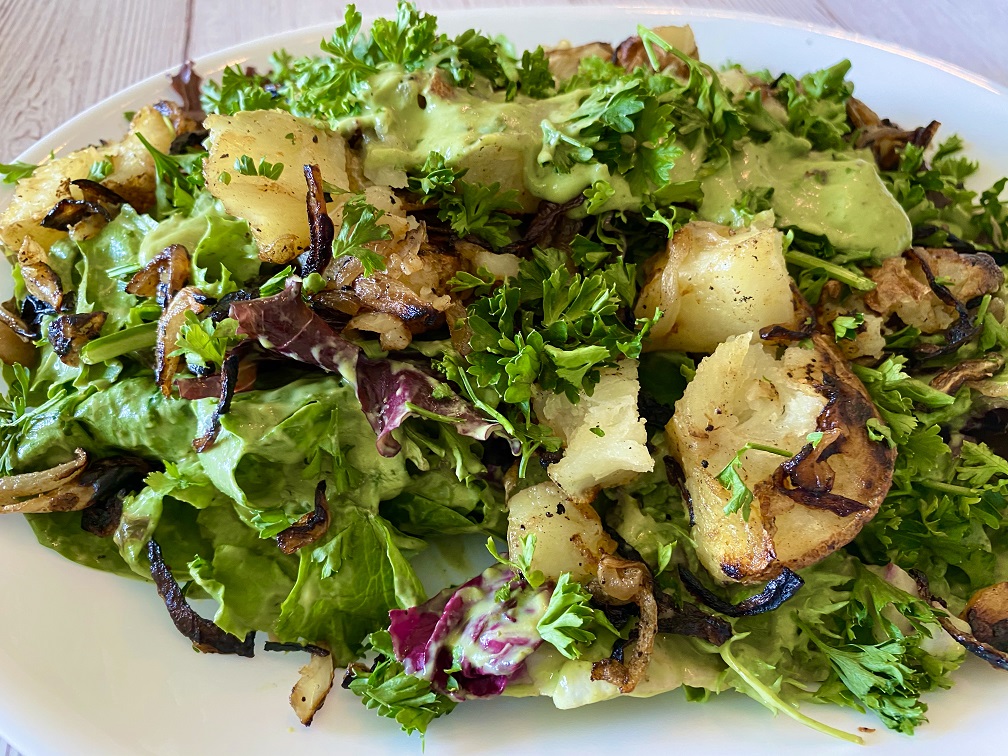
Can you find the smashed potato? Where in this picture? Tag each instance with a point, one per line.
(803, 508)
(274, 208)
(713, 282)
(604, 437)
(132, 177)
(569, 534)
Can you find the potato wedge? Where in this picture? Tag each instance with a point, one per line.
(713, 282)
(274, 208)
(132, 177)
(803, 508)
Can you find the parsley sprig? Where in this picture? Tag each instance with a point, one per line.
(521, 563)
(479, 210)
(392, 693)
(246, 166)
(330, 86)
(17, 414)
(571, 624)
(553, 327)
(360, 228)
(179, 178)
(939, 205)
(731, 478)
(946, 513)
(204, 343)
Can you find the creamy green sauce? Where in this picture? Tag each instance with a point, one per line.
(839, 196)
(833, 195)
(495, 637)
(497, 141)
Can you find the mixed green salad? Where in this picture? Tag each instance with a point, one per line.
(719, 354)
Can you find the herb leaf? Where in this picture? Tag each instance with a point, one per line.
(203, 343)
(387, 689)
(729, 477)
(11, 173)
(359, 228)
(571, 624)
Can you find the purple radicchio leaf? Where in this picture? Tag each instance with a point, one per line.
(392, 390)
(466, 642)
(284, 324)
(389, 390)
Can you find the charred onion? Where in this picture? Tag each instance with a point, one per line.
(621, 581)
(203, 633)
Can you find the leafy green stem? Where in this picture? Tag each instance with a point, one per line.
(116, 344)
(765, 695)
(837, 272)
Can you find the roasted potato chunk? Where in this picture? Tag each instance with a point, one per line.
(713, 282)
(132, 177)
(902, 288)
(569, 534)
(274, 208)
(803, 508)
(604, 437)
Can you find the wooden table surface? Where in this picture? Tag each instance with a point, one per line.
(58, 58)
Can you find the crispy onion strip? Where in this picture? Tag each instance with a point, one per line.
(957, 334)
(163, 277)
(952, 379)
(189, 299)
(320, 226)
(69, 333)
(228, 384)
(40, 280)
(689, 619)
(203, 633)
(775, 593)
(310, 527)
(29, 492)
(806, 479)
(621, 581)
(802, 328)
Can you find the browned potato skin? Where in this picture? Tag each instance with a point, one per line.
(804, 536)
(987, 614)
(782, 532)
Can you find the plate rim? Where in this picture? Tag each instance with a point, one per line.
(216, 60)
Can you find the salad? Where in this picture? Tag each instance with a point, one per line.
(717, 354)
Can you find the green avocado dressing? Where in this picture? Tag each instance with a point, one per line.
(408, 117)
(834, 195)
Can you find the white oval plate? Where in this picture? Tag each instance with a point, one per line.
(90, 663)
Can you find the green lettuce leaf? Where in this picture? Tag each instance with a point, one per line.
(347, 582)
(224, 255)
(448, 492)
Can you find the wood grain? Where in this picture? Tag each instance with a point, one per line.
(59, 58)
